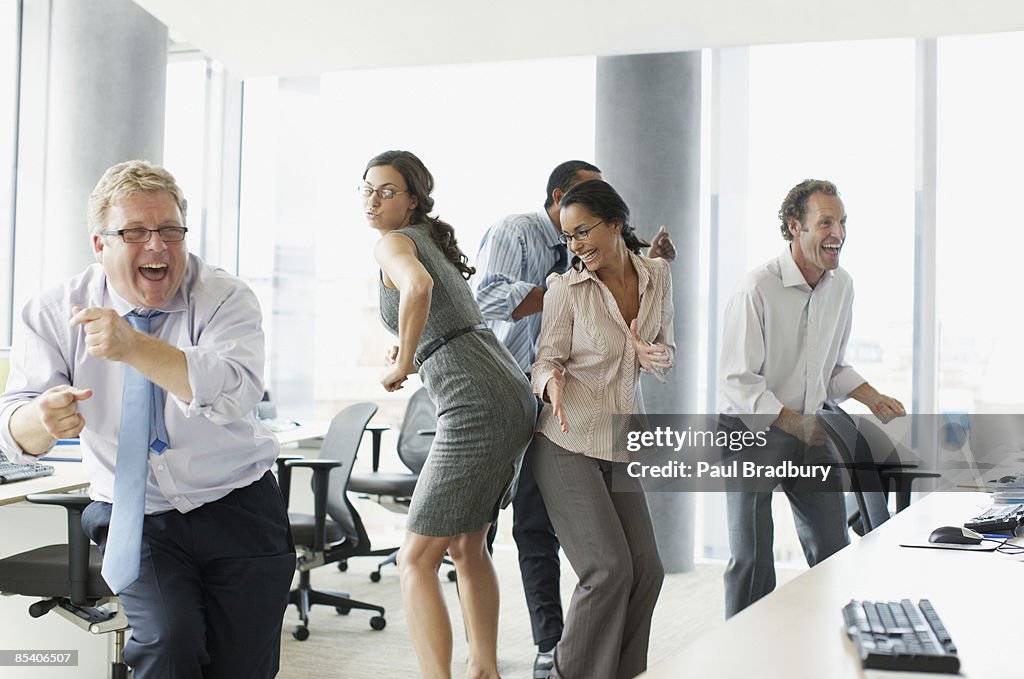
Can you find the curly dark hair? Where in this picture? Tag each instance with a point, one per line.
(601, 200)
(420, 183)
(795, 204)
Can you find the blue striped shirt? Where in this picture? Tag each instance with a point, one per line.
(516, 255)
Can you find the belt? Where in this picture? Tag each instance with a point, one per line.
(428, 350)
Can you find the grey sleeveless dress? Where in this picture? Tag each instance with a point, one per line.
(486, 412)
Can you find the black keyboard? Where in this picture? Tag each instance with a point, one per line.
(13, 471)
(997, 518)
(900, 636)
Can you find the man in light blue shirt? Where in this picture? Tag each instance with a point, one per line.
(516, 256)
(217, 558)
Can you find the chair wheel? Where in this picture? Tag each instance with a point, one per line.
(301, 633)
(342, 610)
(343, 566)
(378, 622)
(452, 576)
(375, 576)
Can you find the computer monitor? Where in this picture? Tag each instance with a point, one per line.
(5, 366)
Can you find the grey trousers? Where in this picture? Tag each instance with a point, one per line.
(820, 518)
(609, 540)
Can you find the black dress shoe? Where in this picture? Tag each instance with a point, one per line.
(543, 664)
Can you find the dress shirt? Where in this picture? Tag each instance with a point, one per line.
(516, 255)
(583, 334)
(216, 442)
(784, 342)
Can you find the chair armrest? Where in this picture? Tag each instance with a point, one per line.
(902, 480)
(284, 475)
(321, 483)
(78, 541)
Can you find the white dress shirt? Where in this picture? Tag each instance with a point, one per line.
(784, 342)
(216, 442)
(584, 335)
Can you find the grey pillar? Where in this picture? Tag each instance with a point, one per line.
(102, 94)
(648, 147)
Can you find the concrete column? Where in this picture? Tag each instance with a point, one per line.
(96, 74)
(648, 146)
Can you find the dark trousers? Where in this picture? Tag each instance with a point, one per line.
(539, 566)
(819, 514)
(212, 588)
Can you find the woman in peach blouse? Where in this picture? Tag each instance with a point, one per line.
(605, 320)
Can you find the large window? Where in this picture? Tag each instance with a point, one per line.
(979, 238)
(10, 34)
(489, 133)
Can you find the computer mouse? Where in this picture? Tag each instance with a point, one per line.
(955, 535)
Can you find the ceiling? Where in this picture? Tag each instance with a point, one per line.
(301, 37)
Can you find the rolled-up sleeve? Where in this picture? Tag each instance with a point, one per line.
(225, 364)
(667, 334)
(555, 334)
(36, 365)
(743, 356)
(502, 266)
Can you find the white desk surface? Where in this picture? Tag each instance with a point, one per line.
(797, 631)
(66, 476)
(308, 429)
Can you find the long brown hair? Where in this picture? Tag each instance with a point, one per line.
(420, 183)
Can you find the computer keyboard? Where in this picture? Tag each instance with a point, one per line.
(13, 471)
(997, 518)
(900, 636)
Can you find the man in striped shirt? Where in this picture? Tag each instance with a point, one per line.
(516, 256)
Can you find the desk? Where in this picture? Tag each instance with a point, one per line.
(797, 631)
(311, 429)
(66, 476)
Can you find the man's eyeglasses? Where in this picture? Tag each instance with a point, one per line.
(580, 235)
(385, 194)
(168, 234)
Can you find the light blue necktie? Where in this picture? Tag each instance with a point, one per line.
(142, 429)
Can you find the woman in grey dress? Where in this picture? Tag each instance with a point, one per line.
(486, 413)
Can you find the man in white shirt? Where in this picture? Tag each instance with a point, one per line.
(153, 341)
(783, 356)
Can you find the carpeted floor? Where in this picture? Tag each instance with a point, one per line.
(345, 646)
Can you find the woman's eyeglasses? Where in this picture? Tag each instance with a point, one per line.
(580, 234)
(385, 194)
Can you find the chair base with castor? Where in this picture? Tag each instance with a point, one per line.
(304, 597)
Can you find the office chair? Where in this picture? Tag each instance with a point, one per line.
(875, 479)
(865, 481)
(393, 490)
(335, 531)
(68, 579)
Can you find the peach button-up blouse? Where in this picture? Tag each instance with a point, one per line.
(584, 335)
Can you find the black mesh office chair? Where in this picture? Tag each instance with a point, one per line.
(334, 532)
(67, 578)
(393, 490)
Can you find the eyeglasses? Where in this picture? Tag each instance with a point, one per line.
(580, 235)
(385, 194)
(168, 234)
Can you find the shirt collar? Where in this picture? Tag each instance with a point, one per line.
(791, 274)
(550, 233)
(640, 263)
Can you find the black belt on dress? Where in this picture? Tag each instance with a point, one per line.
(433, 346)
